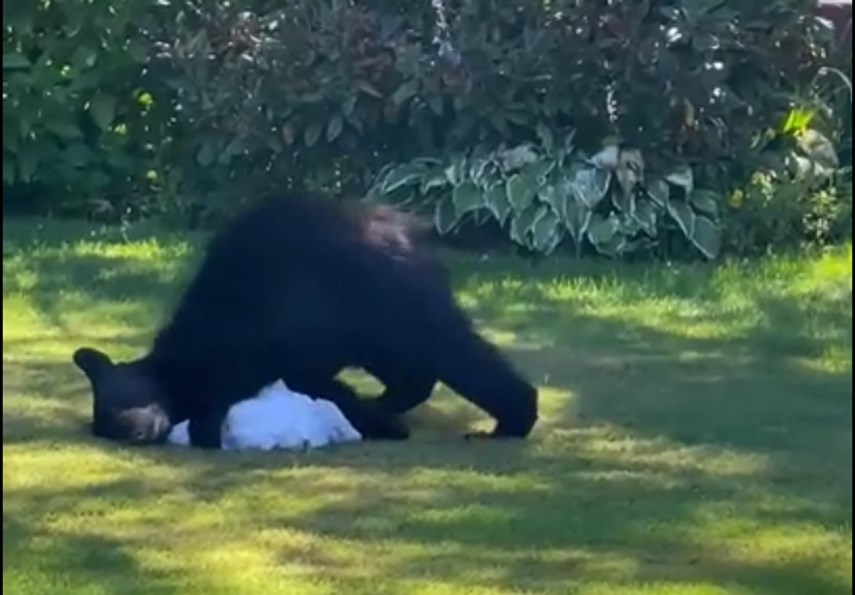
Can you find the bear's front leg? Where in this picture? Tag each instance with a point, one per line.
(205, 430)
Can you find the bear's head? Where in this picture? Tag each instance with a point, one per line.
(128, 405)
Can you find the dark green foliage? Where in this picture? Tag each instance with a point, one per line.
(77, 121)
(180, 107)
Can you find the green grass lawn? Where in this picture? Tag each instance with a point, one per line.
(696, 438)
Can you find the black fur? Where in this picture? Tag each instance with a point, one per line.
(300, 288)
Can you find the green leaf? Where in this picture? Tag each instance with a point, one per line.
(629, 225)
(357, 123)
(334, 127)
(497, 201)
(797, 120)
(481, 216)
(539, 170)
(553, 195)
(522, 224)
(613, 247)
(407, 173)
(577, 218)
(445, 216)
(368, 89)
(516, 232)
(624, 201)
(590, 185)
(705, 42)
(467, 197)
(456, 171)
(607, 158)
(818, 148)
(801, 167)
(207, 154)
(529, 217)
(521, 190)
(312, 134)
(14, 60)
(542, 212)
(478, 170)
(683, 216)
(84, 57)
(380, 175)
(637, 244)
(427, 162)
(78, 155)
(516, 116)
(705, 201)
(436, 179)
(145, 100)
(682, 177)
(313, 97)
(518, 157)
(64, 129)
(28, 163)
(658, 191)
(553, 242)
(491, 177)
(646, 215)
(546, 231)
(500, 123)
(138, 50)
(405, 92)
(348, 106)
(630, 169)
(234, 147)
(707, 237)
(602, 230)
(546, 137)
(103, 110)
(569, 144)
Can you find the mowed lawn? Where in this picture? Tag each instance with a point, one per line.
(696, 439)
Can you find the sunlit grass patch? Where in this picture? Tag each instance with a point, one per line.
(695, 439)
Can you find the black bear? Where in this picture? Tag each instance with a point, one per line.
(298, 288)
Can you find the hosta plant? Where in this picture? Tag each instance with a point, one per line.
(544, 194)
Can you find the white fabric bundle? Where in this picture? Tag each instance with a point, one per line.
(279, 418)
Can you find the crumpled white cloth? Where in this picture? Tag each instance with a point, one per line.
(278, 418)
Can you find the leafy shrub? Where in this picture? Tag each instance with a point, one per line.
(796, 199)
(543, 194)
(679, 87)
(306, 94)
(610, 200)
(771, 213)
(75, 118)
(191, 108)
(799, 192)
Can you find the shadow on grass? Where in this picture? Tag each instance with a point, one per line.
(33, 559)
(50, 278)
(579, 527)
(545, 515)
(659, 451)
(731, 387)
(49, 263)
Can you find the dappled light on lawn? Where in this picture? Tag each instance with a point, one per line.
(696, 439)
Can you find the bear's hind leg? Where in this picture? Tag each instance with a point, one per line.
(373, 422)
(405, 389)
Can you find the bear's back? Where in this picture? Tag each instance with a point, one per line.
(302, 267)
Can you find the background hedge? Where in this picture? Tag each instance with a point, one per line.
(625, 127)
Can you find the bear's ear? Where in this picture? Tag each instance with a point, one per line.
(92, 362)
